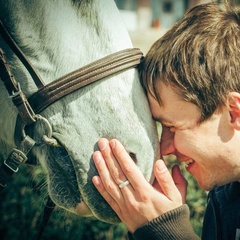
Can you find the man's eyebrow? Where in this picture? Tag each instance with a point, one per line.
(157, 119)
(162, 120)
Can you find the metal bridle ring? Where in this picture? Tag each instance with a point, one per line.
(47, 138)
(48, 125)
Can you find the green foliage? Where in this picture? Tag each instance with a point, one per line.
(21, 209)
(22, 204)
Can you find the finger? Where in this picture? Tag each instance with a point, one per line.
(165, 180)
(100, 187)
(180, 181)
(120, 195)
(106, 178)
(129, 168)
(111, 162)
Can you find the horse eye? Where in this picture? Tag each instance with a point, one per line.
(133, 156)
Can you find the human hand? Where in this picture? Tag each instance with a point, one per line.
(138, 202)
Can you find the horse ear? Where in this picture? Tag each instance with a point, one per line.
(234, 109)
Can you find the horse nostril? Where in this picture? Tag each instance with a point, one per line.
(133, 156)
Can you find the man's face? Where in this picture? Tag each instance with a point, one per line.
(207, 149)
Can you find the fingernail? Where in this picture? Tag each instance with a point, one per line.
(161, 167)
(112, 144)
(102, 144)
(97, 157)
(96, 180)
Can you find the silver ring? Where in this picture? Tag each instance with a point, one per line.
(123, 184)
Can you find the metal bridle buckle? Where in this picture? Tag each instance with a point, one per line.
(16, 158)
(14, 94)
(14, 170)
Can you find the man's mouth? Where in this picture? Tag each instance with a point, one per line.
(189, 162)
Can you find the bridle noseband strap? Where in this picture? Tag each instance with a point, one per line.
(107, 66)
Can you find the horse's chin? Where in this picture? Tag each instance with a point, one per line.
(83, 210)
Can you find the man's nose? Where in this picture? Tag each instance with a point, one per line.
(167, 142)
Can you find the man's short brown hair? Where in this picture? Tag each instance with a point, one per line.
(199, 56)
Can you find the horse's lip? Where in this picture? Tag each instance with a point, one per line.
(81, 208)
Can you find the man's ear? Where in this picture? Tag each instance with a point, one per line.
(234, 109)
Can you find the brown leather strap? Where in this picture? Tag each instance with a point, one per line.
(95, 71)
(13, 87)
(6, 75)
(12, 44)
(17, 157)
(48, 94)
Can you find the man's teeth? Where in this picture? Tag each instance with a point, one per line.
(189, 162)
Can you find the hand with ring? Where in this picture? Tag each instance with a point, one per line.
(130, 195)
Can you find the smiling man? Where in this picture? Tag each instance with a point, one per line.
(192, 79)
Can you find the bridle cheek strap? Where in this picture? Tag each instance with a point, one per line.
(15, 93)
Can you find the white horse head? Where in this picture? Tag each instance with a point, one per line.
(58, 37)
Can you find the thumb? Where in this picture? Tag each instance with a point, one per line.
(156, 185)
(165, 180)
(180, 181)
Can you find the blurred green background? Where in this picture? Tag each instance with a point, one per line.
(22, 204)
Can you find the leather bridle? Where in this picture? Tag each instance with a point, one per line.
(49, 93)
(30, 107)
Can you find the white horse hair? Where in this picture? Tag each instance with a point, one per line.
(59, 36)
